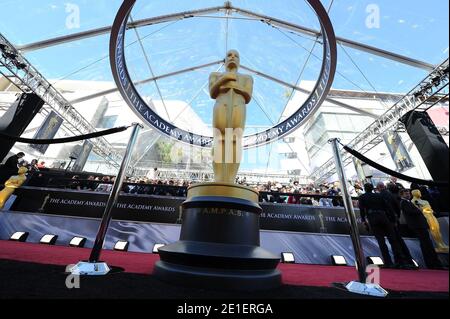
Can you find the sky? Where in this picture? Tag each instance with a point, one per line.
(417, 29)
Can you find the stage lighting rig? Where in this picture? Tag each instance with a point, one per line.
(375, 260)
(121, 245)
(77, 242)
(156, 247)
(436, 80)
(48, 239)
(20, 65)
(19, 236)
(338, 260)
(287, 258)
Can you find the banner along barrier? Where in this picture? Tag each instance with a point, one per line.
(165, 209)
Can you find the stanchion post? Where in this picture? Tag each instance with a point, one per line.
(93, 266)
(350, 212)
(361, 286)
(113, 196)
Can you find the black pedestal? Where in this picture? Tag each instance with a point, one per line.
(219, 247)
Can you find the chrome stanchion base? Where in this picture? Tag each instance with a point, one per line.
(366, 289)
(85, 268)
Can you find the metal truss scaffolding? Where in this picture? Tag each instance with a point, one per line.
(429, 92)
(22, 74)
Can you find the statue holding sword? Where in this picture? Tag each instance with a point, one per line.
(232, 91)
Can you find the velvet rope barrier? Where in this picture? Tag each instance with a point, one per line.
(64, 139)
(394, 173)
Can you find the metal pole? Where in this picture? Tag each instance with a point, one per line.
(349, 211)
(113, 196)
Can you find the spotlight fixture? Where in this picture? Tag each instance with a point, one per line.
(121, 245)
(48, 239)
(287, 258)
(10, 55)
(19, 236)
(156, 247)
(375, 260)
(20, 65)
(436, 80)
(77, 242)
(418, 94)
(338, 260)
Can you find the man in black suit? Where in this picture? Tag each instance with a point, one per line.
(394, 206)
(373, 207)
(419, 225)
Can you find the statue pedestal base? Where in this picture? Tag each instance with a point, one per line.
(219, 242)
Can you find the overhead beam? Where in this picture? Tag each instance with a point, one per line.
(266, 19)
(348, 43)
(104, 30)
(297, 88)
(158, 77)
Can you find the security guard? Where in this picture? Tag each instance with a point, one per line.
(375, 209)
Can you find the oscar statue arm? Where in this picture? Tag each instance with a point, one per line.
(14, 182)
(426, 207)
(247, 89)
(216, 80)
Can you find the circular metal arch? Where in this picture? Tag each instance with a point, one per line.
(140, 107)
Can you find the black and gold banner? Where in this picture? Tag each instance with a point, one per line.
(165, 209)
(47, 131)
(398, 151)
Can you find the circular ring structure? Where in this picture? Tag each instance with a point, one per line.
(149, 116)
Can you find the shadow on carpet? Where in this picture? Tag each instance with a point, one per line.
(37, 281)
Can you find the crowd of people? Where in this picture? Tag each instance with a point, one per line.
(272, 192)
(143, 186)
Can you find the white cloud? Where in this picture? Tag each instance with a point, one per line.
(415, 26)
(349, 8)
(401, 21)
(53, 6)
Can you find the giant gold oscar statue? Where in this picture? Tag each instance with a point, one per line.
(232, 91)
(219, 239)
(11, 184)
(427, 211)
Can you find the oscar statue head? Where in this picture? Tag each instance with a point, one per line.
(22, 170)
(416, 194)
(232, 60)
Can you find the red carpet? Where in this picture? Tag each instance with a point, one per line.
(293, 274)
